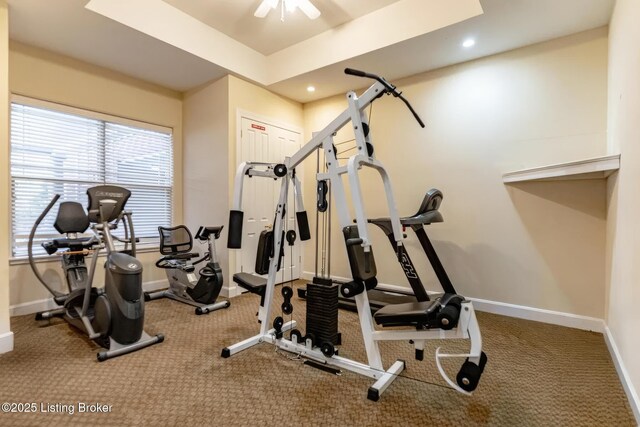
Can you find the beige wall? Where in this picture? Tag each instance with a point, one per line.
(6, 342)
(534, 244)
(623, 231)
(210, 118)
(205, 113)
(41, 74)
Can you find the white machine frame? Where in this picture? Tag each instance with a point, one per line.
(467, 327)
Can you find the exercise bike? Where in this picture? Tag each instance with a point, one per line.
(112, 316)
(199, 290)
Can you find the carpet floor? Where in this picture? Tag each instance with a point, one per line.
(537, 374)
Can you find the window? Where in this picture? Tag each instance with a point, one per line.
(61, 150)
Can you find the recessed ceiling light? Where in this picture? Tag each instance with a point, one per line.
(468, 43)
(311, 89)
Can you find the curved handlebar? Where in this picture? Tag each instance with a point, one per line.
(389, 87)
(32, 234)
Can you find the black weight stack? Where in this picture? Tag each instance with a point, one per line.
(322, 312)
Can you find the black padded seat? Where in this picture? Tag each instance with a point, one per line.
(407, 314)
(71, 218)
(254, 284)
(251, 282)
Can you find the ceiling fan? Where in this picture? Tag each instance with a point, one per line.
(290, 5)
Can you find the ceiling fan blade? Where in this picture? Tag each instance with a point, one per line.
(308, 9)
(264, 8)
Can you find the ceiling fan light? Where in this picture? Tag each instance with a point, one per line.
(265, 7)
(290, 5)
(305, 6)
(308, 9)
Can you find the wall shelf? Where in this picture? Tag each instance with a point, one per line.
(597, 168)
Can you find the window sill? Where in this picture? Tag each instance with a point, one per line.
(54, 258)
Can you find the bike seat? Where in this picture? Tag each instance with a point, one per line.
(177, 261)
(175, 241)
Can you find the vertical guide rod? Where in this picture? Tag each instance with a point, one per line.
(317, 211)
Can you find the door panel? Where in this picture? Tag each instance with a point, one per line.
(262, 142)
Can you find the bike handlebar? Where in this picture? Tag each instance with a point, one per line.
(389, 87)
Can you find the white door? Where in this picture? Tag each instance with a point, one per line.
(263, 142)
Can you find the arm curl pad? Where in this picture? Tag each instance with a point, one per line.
(236, 219)
(303, 225)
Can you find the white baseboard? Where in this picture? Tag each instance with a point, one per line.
(155, 285)
(32, 307)
(560, 318)
(6, 342)
(230, 291)
(627, 385)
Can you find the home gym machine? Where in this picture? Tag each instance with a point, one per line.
(422, 320)
(199, 290)
(112, 316)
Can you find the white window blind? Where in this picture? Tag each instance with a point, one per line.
(57, 152)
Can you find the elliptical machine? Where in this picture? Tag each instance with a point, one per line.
(112, 316)
(184, 285)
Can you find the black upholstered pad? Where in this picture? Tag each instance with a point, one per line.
(68, 243)
(410, 313)
(252, 283)
(71, 218)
